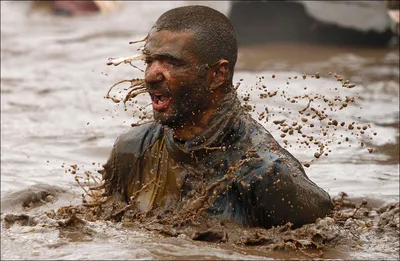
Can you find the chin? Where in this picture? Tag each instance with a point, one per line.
(167, 119)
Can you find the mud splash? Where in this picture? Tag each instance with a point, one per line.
(314, 126)
(64, 119)
(354, 224)
(342, 231)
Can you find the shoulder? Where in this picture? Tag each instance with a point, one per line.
(139, 138)
(273, 155)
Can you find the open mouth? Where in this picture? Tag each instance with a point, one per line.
(160, 101)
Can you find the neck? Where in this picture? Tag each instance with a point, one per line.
(213, 132)
(198, 123)
(189, 130)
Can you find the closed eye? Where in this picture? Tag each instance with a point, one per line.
(175, 62)
(148, 60)
(169, 59)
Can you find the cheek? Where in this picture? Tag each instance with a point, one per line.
(184, 78)
(176, 81)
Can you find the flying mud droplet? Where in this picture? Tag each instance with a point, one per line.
(318, 112)
(306, 164)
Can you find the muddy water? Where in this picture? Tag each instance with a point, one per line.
(53, 82)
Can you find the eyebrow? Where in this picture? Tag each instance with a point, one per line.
(162, 56)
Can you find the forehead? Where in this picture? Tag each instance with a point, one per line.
(167, 42)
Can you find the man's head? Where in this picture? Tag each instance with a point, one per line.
(214, 35)
(190, 53)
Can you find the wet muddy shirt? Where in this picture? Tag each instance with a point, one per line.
(269, 186)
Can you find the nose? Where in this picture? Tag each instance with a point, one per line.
(154, 73)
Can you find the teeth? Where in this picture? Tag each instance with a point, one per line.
(159, 98)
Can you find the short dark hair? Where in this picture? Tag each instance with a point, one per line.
(215, 36)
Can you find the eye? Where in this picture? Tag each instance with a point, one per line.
(174, 62)
(148, 61)
(171, 62)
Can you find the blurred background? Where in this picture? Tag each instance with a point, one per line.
(54, 78)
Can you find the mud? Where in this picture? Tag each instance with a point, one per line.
(54, 77)
(320, 117)
(31, 197)
(353, 226)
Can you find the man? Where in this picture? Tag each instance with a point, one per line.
(202, 134)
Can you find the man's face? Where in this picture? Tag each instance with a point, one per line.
(177, 90)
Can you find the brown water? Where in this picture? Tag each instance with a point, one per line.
(53, 82)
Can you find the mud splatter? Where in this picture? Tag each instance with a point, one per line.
(313, 127)
(352, 227)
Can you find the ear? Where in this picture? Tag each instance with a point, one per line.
(219, 74)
